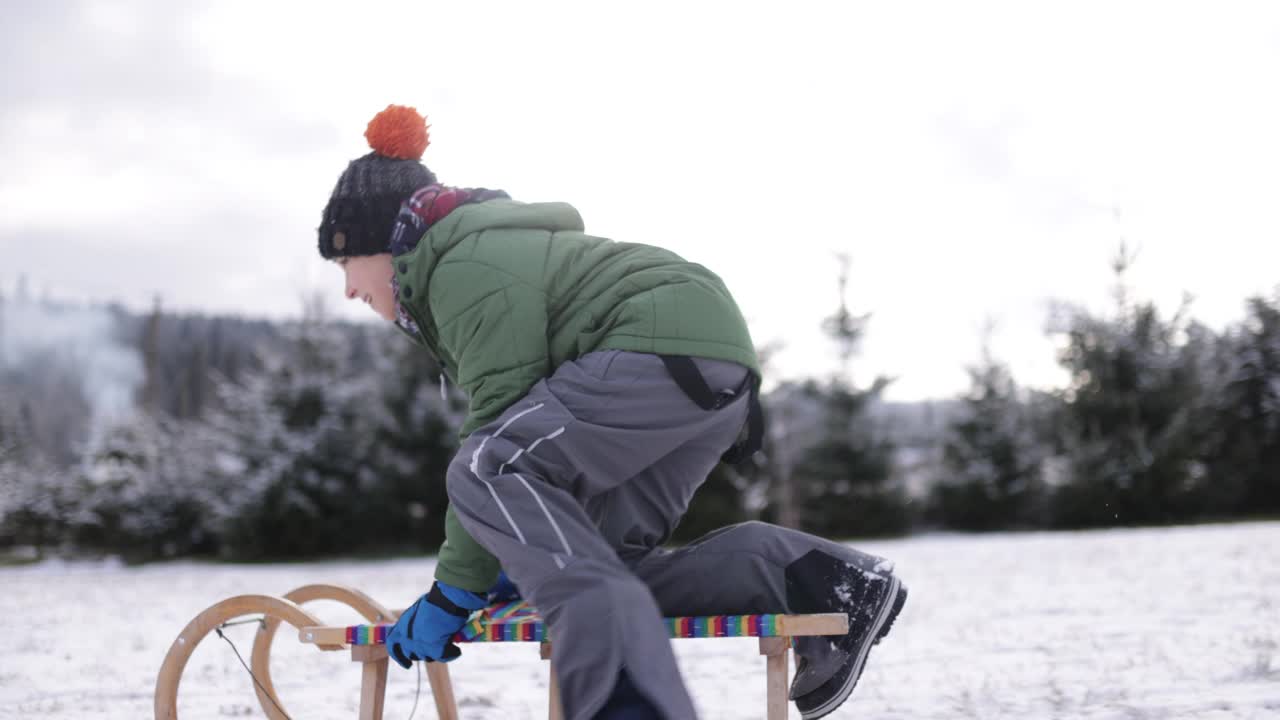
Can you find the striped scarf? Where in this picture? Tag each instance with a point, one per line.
(417, 214)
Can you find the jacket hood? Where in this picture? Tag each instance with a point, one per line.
(502, 214)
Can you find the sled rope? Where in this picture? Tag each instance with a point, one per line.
(417, 694)
(248, 621)
(261, 622)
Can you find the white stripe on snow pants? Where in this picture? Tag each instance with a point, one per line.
(574, 488)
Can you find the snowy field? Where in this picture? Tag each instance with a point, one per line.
(1170, 623)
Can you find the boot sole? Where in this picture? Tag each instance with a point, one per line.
(884, 620)
(898, 604)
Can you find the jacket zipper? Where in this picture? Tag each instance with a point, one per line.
(432, 345)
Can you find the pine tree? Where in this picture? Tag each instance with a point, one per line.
(4, 345)
(149, 393)
(119, 472)
(36, 499)
(12, 474)
(991, 460)
(1130, 415)
(294, 444)
(415, 438)
(37, 496)
(844, 484)
(783, 443)
(1245, 456)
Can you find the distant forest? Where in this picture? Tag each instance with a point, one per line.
(160, 435)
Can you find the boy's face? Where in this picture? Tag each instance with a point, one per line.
(369, 280)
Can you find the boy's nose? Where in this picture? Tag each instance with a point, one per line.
(351, 293)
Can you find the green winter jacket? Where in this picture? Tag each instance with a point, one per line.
(504, 292)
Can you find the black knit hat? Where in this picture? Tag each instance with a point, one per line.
(362, 210)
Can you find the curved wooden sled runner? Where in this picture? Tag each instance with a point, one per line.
(175, 661)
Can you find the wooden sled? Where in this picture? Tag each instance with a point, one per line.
(505, 622)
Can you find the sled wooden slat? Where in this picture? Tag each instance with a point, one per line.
(817, 624)
(505, 622)
(678, 628)
(516, 622)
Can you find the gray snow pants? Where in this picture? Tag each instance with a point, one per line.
(575, 487)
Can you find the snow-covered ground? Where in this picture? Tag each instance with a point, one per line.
(1161, 623)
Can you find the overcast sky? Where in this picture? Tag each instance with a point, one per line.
(969, 157)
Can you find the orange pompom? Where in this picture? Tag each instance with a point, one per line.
(398, 132)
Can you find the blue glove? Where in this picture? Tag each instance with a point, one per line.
(503, 590)
(424, 628)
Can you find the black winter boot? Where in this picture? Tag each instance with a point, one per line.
(818, 582)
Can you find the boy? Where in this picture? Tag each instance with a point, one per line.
(605, 380)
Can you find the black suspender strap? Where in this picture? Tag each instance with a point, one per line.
(689, 378)
(751, 444)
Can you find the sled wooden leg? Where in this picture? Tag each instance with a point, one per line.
(775, 650)
(555, 711)
(261, 658)
(373, 680)
(442, 690)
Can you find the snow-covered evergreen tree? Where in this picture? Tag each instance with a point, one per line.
(1131, 418)
(12, 469)
(143, 491)
(294, 443)
(36, 498)
(415, 420)
(991, 459)
(844, 484)
(35, 495)
(1245, 457)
